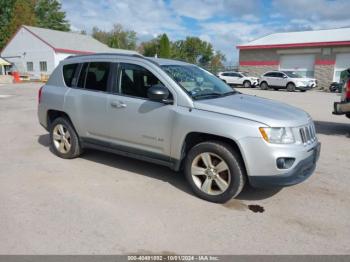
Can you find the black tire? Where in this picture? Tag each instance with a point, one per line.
(290, 87)
(236, 171)
(247, 84)
(264, 86)
(75, 148)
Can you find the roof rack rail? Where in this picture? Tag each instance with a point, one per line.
(98, 54)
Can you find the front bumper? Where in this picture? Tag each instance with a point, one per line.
(341, 108)
(303, 170)
(255, 83)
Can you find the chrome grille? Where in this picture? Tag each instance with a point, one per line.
(307, 134)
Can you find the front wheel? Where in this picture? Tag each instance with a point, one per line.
(247, 84)
(64, 139)
(264, 86)
(291, 87)
(214, 172)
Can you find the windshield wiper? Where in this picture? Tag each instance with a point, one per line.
(208, 95)
(230, 93)
(214, 95)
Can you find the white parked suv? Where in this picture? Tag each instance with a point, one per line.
(286, 80)
(238, 78)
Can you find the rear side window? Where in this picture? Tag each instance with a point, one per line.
(269, 74)
(97, 76)
(69, 73)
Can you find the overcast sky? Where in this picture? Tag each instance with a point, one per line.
(225, 23)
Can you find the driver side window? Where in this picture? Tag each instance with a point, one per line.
(135, 80)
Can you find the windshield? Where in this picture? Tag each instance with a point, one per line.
(292, 74)
(245, 74)
(198, 83)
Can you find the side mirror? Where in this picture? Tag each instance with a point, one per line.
(284, 76)
(159, 93)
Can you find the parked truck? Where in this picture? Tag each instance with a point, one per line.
(343, 107)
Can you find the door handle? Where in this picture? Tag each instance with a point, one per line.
(118, 104)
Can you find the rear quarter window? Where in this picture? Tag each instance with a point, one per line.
(69, 73)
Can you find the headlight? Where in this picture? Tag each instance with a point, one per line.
(277, 135)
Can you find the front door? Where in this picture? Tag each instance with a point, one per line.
(235, 78)
(137, 123)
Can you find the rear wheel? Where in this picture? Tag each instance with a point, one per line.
(291, 87)
(214, 171)
(264, 86)
(64, 139)
(247, 84)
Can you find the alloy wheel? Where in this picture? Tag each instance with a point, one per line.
(61, 139)
(210, 173)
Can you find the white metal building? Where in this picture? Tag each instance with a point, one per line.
(322, 54)
(36, 51)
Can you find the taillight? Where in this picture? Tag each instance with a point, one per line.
(39, 94)
(347, 90)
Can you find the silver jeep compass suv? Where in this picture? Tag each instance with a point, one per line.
(177, 115)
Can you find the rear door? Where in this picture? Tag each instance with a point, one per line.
(226, 77)
(86, 103)
(269, 78)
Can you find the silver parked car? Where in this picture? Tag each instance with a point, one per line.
(177, 115)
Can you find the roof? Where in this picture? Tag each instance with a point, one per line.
(163, 61)
(329, 37)
(69, 42)
(4, 62)
(158, 61)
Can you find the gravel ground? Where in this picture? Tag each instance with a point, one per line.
(107, 204)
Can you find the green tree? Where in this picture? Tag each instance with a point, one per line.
(164, 46)
(149, 48)
(216, 62)
(49, 15)
(22, 14)
(193, 50)
(6, 11)
(116, 38)
(100, 35)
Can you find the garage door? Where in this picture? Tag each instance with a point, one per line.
(303, 64)
(342, 62)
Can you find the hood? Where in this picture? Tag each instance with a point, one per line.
(266, 111)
